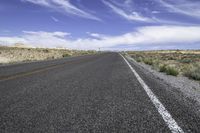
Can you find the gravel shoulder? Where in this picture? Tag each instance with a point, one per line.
(189, 88)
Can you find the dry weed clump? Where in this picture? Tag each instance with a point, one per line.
(174, 62)
(193, 71)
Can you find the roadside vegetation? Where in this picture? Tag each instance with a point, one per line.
(15, 54)
(176, 62)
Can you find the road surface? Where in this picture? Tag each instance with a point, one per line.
(93, 93)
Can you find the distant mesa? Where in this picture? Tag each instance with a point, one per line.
(21, 45)
(60, 47)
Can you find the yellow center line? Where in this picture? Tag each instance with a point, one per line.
(39, 70)
(23, 74)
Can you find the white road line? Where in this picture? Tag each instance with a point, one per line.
(173, 126)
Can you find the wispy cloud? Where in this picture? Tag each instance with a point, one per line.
(171, 22)
(54, 19)
(129, 10)
(63, 6)
(128, 2)
(133, 16)
(151, 36)
(47, 34)
(155, 12)
(186, 7)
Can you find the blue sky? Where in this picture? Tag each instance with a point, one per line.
(105, 24)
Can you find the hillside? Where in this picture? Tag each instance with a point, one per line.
(19, 54)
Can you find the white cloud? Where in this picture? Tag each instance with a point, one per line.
(133, 16)
(186, 7)
(47, 34)
(96, 35)
(46, 39)
(39, 2)
(11, 40)
(155, 12)
(149, 36)
(63, 6)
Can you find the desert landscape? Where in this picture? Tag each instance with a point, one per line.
(172, 62)
(81, 66)
(27, 54)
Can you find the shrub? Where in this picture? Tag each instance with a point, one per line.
(170, 58)
(66, 55)
(148, 61)
(193, 72)
(85, 52)
(156, 64)
(169, 70)
(51, 57)
(46, 51)
(139, 59)
(163, 68)
(172, 71)
(186, 61)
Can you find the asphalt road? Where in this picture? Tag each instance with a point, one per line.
(96, 93)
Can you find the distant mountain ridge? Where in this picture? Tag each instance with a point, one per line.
(21, 45)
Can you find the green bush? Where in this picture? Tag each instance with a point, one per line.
(148, 61)
(156, 64)
(163, 68)
(66, 55)
(85, 53)
(186, 61)
(139, 59)
(193, 72)
(46, 51)
(170, 58)
(51, 57)
(172, 71)
(169, 70)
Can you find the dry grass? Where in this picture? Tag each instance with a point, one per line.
(14, 54)
(193, 71)
(175, 62)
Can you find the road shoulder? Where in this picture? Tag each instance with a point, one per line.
(185, 110)
(190, 88)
